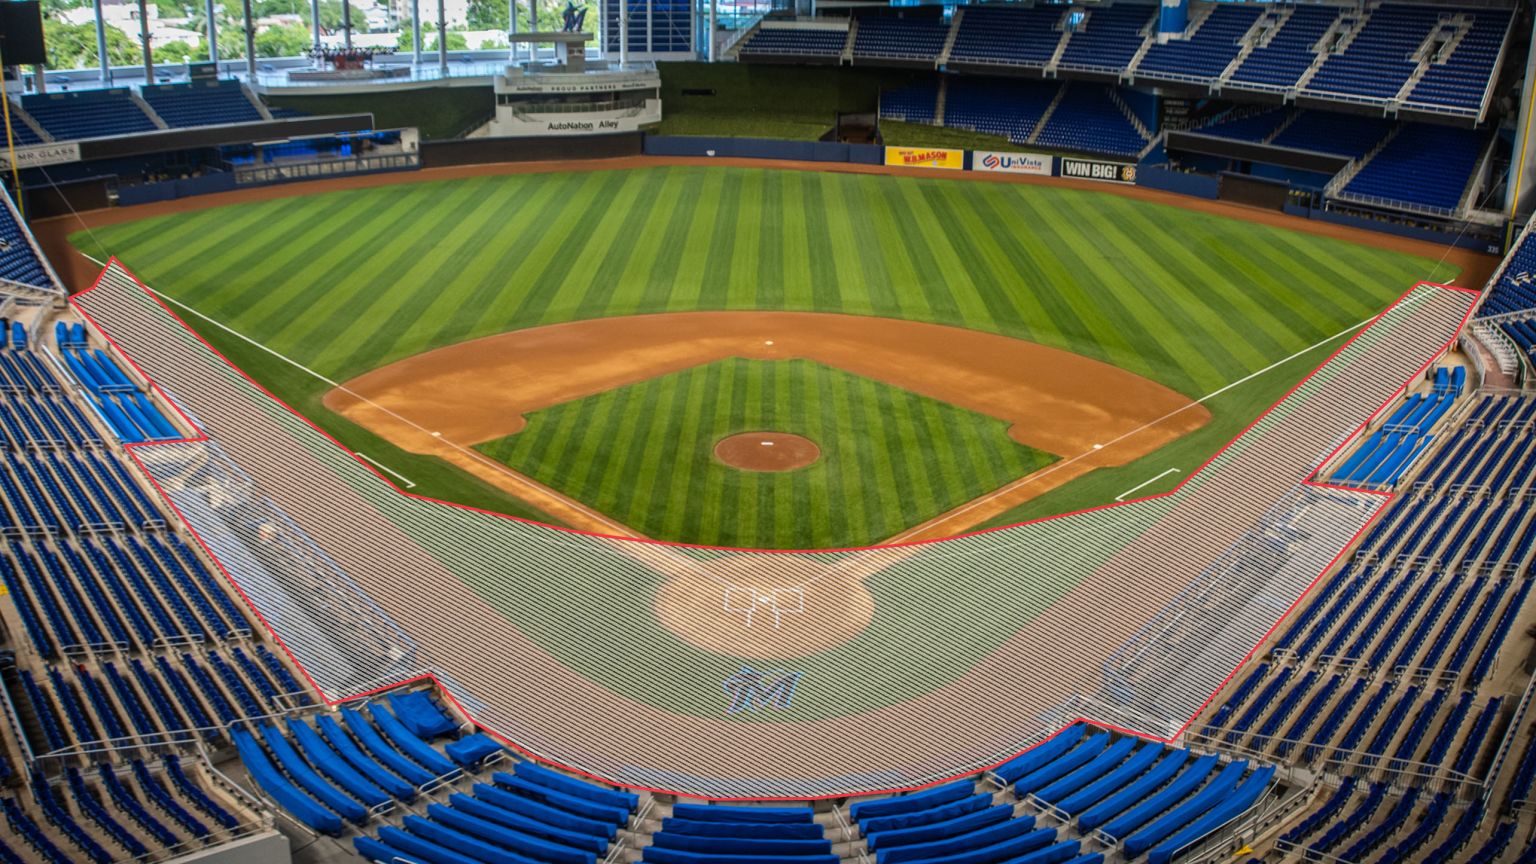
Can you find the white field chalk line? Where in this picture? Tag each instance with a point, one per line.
(477, 457)
(382, 467)
(1122, 495)
(1044, 472)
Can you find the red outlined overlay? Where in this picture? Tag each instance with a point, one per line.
(448, 695)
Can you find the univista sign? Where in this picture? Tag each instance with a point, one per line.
(1013, 163)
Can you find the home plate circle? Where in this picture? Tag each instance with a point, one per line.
(767, 451)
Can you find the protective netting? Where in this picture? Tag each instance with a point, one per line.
(938, 659)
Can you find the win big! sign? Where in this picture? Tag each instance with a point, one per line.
(1013, 163)
(1087, 169)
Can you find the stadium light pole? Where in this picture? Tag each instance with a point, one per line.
(101, 45)
(442, 38)
(250, 43)
(213, 33)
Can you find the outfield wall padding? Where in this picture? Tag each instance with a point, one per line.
(483, 151)
(1254, 191)
(1464, 240)
(170, 190)
(1178, 182)
(762, 148)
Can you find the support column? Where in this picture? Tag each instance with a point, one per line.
(415, 32)
(250, 42)
(1172, 19)
(711, 35)
(149, 57)
(314, 21)
(346, 24)
(101, 46)
(213, 33)
(533, 27)
(623, 31)
(442, 38)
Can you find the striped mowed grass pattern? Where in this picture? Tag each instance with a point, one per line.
(643, 454)
(345, 282)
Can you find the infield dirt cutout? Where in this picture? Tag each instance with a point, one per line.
(443, 402)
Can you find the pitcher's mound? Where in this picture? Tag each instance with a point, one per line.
(767, 451)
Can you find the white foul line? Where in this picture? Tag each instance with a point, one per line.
(1121, 496)
(382, 467)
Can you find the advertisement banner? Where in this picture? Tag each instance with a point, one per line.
(1038, 164)
(1090, 169)
(925, 157)
(39, 155)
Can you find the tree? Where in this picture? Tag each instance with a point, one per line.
(330, 17)
(268, 8)
(456, 40)
(290, 41)
(73, 46)
(491, 15)
(179, 52)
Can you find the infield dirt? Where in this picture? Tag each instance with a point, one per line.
(444, 402)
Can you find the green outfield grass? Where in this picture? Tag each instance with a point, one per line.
(644, 455)
(346, 282)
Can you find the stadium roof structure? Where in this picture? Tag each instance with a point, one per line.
(1131, 615)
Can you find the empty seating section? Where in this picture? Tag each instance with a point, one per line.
(1349, 135)
(1423, 166)
(325, 777)
(1259, 126)
(1379, 679)
(133, 649)
(804, 42)
(915, 103)
(1392, 447)
(18, 261)
(1108, 37)
(201, 103)
(695, 833)
(1379, 59)
(131, 414)
(1088, 119)
(1443, 57)
(1463, 78)
(1085, 782)
(1008, 37)
(1280, 61)
(22, 132)
(887, 37)
(1515, 289)
(87, 113)
(1001, 107)
(1207, 51)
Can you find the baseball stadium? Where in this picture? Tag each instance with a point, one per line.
(767, 432)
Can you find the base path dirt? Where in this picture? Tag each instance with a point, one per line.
(444, 402)
(767, 451)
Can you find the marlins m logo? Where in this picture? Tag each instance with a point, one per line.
(750, 690)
